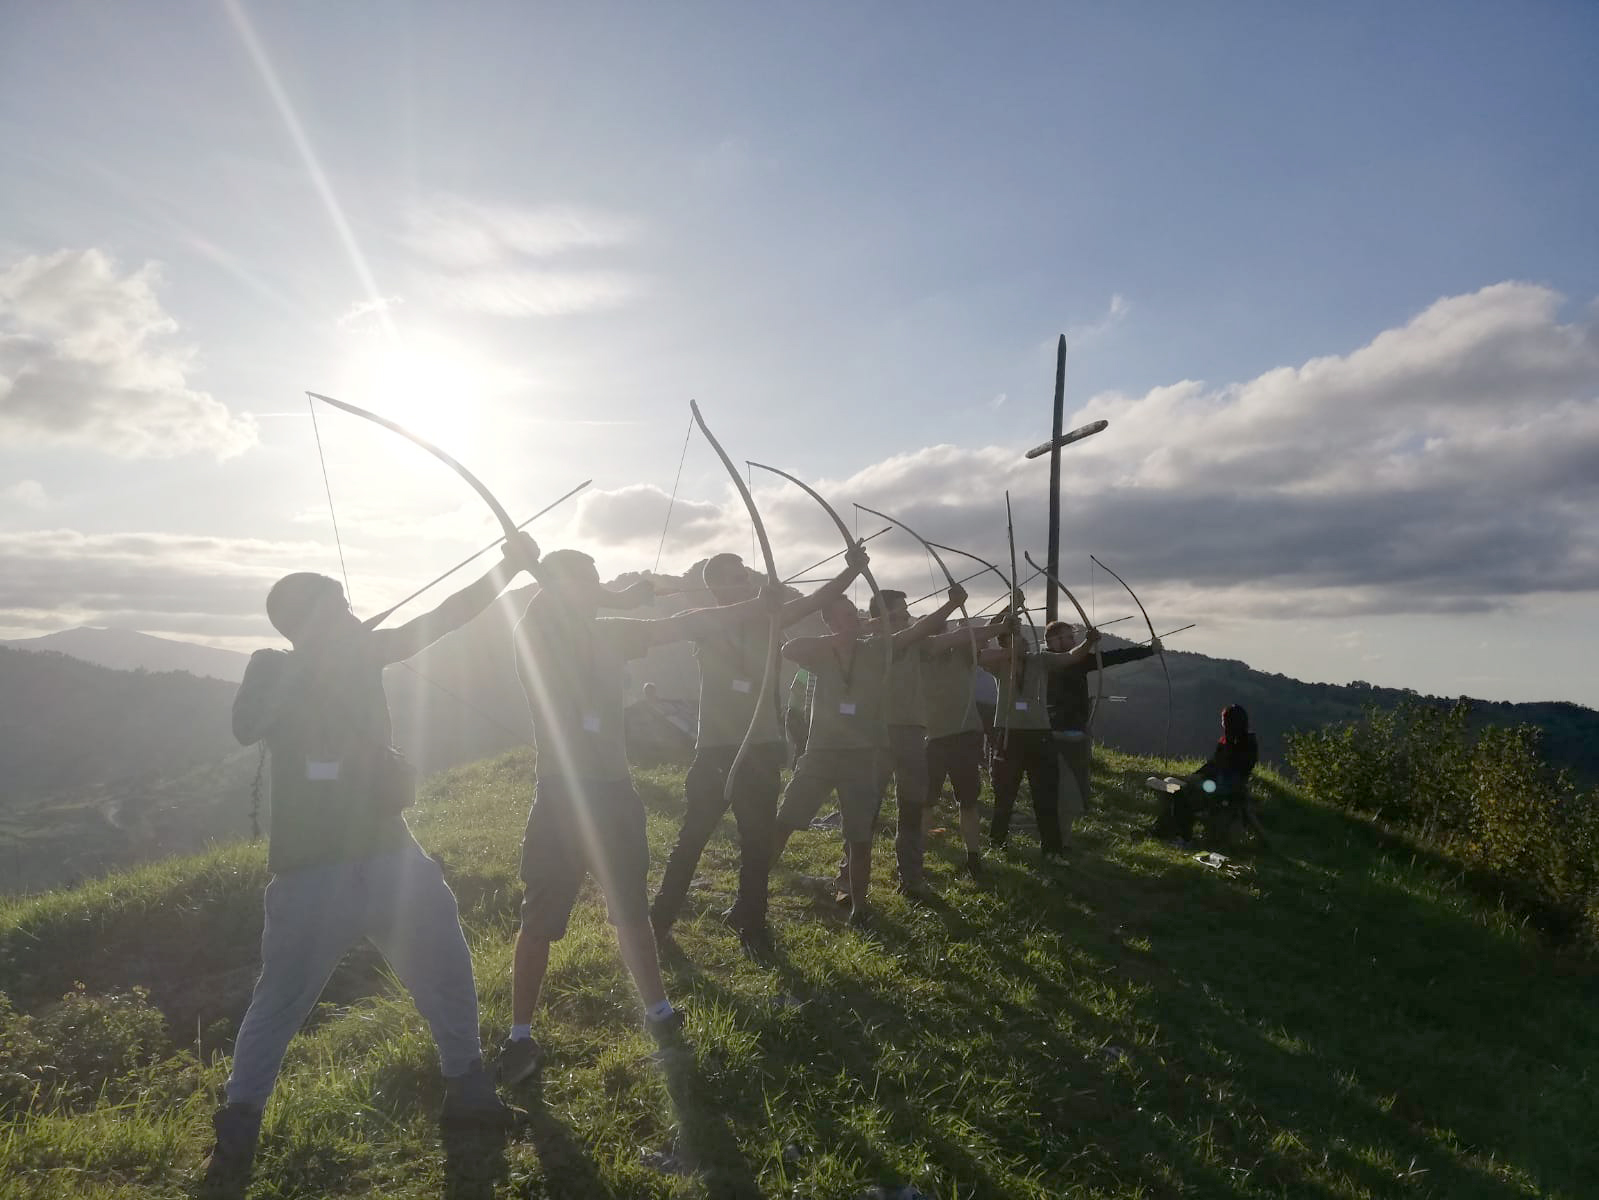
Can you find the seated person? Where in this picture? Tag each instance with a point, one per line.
(1219, 790)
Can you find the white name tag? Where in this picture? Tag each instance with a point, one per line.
(321, 772)
(1021, 706)
(742, 685)
(846, 708)
(591, 724)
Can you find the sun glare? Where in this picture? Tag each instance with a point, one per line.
(437, 389)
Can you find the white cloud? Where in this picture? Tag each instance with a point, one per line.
(632, 519)
(532, 292)
(1115, 313)
(87, 358)
(494, 259)
(457, 233)
(362, 311)
(26, 493)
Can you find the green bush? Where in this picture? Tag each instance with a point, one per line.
(1489, 801)
(78, 1051)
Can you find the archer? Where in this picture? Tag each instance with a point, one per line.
(344, 864)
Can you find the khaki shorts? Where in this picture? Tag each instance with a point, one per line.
(959, 758)
(852, 774)
(590, 828)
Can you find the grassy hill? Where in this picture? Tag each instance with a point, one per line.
(1338, 1019)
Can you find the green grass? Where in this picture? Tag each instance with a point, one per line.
(1341, 1019)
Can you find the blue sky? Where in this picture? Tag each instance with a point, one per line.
(1330, 272)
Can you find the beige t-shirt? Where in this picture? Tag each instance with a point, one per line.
(731, 667)
(907, 704)
(949, 686)
(573, 680)
(848, 712)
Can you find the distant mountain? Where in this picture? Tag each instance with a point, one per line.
(100, 767)
(130, 650)
(1201, 687)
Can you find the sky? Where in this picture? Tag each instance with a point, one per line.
(1331, 273)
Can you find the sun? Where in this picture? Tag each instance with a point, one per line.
(437, 388)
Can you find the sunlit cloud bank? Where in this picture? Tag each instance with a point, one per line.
(199, 586)
(1450, 465)
(88, 357)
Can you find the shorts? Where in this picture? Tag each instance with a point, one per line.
(960, 757)
(590, 827)
(853, 774)
(905, 764)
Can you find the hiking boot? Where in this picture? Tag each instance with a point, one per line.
(974, 866)
(754, 936)
(917, 891)
(861, 919)
(226, 1170)
(668, 1031)
(470, 1100)
(519, 1060)
(672, 1046)
(758, 945)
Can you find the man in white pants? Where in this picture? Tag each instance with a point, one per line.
(344, 864)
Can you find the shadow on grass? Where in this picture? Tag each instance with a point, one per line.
(474, 1162)
(705, 1138)
(569, 1169)
(1258, 1048)
(1351, 1001)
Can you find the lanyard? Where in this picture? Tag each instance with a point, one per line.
(848, 673)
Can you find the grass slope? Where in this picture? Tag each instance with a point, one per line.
(1337, 1021)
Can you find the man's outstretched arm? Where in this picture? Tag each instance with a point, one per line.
(417, 634)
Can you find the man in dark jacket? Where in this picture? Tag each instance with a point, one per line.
(1069, 708)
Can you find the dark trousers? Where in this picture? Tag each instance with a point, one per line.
(1220, 811)
(1077, 756)
(754, 804)
(1031, 753)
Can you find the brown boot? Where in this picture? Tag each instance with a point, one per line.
(226, 1171)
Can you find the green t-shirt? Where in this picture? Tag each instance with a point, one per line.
(1024, 705)
(949, 686)
(572, 676)
(330, 726)
(799, 692)
(847, 712)
(906, 703)
(731, 666)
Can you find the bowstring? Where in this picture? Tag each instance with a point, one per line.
(327, 487)
(339, 543)
(672, 501)
(520, 734)
(855, 588)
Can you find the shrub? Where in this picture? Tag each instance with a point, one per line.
(80, 1049)
(1491, 801)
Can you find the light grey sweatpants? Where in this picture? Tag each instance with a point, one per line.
(400, 901)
